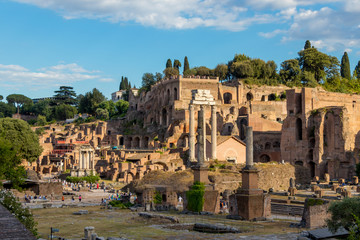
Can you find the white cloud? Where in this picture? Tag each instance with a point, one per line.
(15, 76)
(335, 22)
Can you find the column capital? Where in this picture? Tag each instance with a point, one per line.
(191, 106)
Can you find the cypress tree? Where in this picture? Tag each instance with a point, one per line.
(307, 44)
(186, 64)
(121, 87)
(357, 71)
(345, 67)
(168, 63)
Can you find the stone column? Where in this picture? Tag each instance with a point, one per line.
(191, 133)
(249, 147)
(213, 132)
(201, 137)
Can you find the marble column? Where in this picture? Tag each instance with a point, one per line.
(249, 147)
(191, 133)
(201, 137)
(213, 132)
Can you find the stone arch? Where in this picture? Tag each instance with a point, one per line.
(146, 142)
(329, 132)
(175, 94)
(129, 177)
(312, 167)
(263, 98)
(164, 117)
(227, 98)
(299, 163)
(271, 97)
(265, 158)
(136, 142)
(232, 110)
(121, 141)
(276, 144)
(164, 166)
(243, 125)
(298, 129)
(249, 96)
(243, 111)
(268, 146)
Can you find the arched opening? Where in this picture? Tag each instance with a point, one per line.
(227, 98)
(264, 158)
(312, 166)
(272, 97)
(128, 142)
(249, 96)
(136, 142)
(129, 177)
(299, 163)
(146, 142)
(267, 146)
(232, 110)
(243, 124)
(79, 136)
(175, 94)
(229, 129)
(263, 98)
(121, 141)
(276, 144)
(164, 117)
(243, 111)
(298, 129)
(168, 96)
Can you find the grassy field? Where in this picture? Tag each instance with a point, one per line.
(124, 223)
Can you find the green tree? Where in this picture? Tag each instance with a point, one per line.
(308, 79)
(186, 64)
(171, 72)
(90, 102)
(190, 72)
(177, 64)
(342, 213)
(203, 71)
(319, 64)
(43, 108)
(221, 71)
(102, 114)
(243, 69)
(122, 107)
(290, 73)
(345, 67)
(307, 44)
(65, 95)
(357, 71)
(148, 79)
(6, 110)
(64, 111)
(18, 100)
(168, 63)
(109, 106)
(1, 97)
(41, 120)
(17, 142)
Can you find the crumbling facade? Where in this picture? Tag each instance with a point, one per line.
(321, 132)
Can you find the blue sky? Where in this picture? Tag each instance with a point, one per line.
(89, 44)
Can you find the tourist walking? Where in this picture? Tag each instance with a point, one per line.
(79, 198)
(63, 199)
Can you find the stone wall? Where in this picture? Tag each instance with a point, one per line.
(315, 216)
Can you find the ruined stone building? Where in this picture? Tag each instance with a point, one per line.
(321, 132)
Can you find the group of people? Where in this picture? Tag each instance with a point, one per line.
(29, 197)
(72, 198)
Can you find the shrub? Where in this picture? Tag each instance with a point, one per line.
(195, 197)
(157, 198)
(120, 204)
(313, 202)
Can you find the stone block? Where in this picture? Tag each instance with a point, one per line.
(346, 193)
(340, 190)
(320, 193)
(334, 187)
(292, 191)
(355, 180)
(327, 177)
(314, 188)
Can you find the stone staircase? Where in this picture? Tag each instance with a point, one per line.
(287, 209)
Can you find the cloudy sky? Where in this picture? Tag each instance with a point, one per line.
(45, 44)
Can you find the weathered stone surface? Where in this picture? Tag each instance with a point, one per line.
(150, 215)
(81, 212)
(215, 228)
(11, 228)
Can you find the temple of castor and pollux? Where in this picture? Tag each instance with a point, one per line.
(309, 127)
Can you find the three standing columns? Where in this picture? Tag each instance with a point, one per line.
(192, 131)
